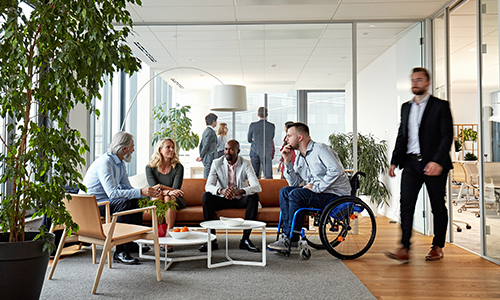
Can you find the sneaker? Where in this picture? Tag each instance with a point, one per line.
(283, 244)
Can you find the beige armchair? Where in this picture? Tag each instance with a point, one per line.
(85, 212)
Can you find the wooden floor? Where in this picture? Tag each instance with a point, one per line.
(459, 275)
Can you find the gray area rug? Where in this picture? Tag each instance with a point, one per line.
(321, 277)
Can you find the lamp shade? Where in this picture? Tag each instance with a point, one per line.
(229, 98)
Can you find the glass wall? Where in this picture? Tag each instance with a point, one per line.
(491, 127)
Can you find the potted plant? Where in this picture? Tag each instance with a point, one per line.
(372, 160)
(470, 156)
(52, 59)
(161, 210)
(469, 136)
(176, 125)
(458, 149)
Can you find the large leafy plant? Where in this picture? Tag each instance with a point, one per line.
(177, 125)
(51, 61)
(372, 160)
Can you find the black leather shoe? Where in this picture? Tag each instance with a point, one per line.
(134, 248)
(248, 245)
(204, 247)
(125, 258)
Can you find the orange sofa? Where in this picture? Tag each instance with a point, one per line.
(194, 188)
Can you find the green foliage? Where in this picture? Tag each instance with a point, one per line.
(161, 207)
(468, 134)
(50, 62)
(176, 125)
(458, 145)
(372, 160)
(470, 156)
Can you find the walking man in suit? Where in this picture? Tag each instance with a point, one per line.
(260, 135)
(422, 151)
(232, 184)
(208, 144)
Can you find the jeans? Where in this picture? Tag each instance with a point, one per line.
(291, 199)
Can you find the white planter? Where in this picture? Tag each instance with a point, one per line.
(468, 145)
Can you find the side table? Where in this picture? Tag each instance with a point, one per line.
(248, 224)
(194, 238)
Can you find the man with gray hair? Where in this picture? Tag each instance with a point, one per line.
(107, 179)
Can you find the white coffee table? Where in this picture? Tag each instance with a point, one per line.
(194, 238)
(248, 224)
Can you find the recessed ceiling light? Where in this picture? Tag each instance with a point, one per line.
(371, 25)
(366, 33)
(191, 59)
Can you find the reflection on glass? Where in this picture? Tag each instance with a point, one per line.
(326, 114)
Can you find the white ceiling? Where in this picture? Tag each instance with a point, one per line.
(272, 58)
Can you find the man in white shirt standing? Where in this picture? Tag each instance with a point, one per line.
(422, 151)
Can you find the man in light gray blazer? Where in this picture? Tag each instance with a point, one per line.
(228, 187)
(208, 144)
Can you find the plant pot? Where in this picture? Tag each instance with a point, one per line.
(23, 267)
(468, 145)
(162, 230)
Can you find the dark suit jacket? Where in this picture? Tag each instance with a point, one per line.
(260, 135)
(208, 146)
(435, 134)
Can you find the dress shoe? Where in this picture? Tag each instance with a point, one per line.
(170, 249)
(248, 245)
(402, 254)
(125, 258)
(134, 248)
(436, 253)
(204, 247)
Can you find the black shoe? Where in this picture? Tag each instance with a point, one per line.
(134, 248)
(248, 245)
(125, 258)
(169, 249)
(204, 247)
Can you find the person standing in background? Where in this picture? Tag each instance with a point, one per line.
(208, 144)
(260, 135)
(221, 139)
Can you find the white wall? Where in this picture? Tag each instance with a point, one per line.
(378, 112)
(79, 120)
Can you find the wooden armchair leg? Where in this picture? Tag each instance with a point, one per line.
(58, 254)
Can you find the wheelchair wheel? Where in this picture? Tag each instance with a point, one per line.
(312, 234)
(347, 228)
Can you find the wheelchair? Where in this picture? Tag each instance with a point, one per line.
(345, 227)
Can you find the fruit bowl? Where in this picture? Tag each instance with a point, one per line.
(178, 234)
(232, 221)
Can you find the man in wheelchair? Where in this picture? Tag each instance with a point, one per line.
(322, 172)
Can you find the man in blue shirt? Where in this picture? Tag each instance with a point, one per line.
(107, 179)
(325, 178)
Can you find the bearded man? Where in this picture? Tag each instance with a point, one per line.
(107, 179)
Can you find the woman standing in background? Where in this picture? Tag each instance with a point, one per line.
(221, 139)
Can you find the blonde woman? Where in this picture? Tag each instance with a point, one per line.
(165, 170)
(221, 139)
